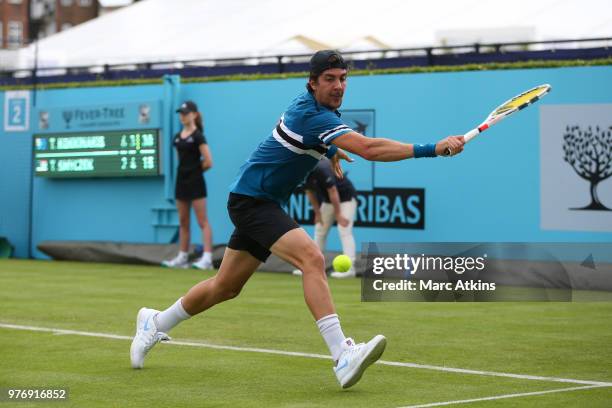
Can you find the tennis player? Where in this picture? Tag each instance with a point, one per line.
(190, 191)
(309, 130)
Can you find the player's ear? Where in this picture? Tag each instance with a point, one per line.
(312, 82)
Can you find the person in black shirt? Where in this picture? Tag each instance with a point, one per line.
(332, 198)
(194, 159)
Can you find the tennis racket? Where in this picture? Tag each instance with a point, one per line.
(506, 109)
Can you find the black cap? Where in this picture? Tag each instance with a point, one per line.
(187, 106)
(326, 59)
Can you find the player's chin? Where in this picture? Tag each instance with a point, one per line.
(335, 102)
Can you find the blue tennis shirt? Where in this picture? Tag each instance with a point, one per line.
(280, 163)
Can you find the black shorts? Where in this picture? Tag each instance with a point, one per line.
(259, 224)
(190, 186)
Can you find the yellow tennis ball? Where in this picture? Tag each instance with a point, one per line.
(341, 263)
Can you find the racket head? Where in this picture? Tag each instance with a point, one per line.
(517, 103)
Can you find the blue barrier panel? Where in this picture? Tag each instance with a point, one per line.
(15, 169)
(492, 192)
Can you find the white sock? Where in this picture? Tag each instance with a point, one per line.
(183, 255)
(330, 329)
(207, 256)
(170, 317)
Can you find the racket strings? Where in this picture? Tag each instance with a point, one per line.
(521, 101)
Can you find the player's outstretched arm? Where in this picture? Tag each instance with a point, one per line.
(385, 150)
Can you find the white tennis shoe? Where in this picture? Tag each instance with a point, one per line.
(146, 336)
(202, 264)
(355, 358)
(177, 262)
(344, 275)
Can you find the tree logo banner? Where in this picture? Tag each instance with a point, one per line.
(576, 167)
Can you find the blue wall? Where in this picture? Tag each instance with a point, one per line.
(490, 193)
(15, 164)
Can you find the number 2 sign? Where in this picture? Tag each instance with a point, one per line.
(16, 111)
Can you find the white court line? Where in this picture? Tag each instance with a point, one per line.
(496, 374)
(311, 355)
(497, 397)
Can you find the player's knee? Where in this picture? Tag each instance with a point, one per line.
(230, 293)
(312, 259)
(226, 291)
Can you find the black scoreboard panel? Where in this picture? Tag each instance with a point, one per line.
(118, 153)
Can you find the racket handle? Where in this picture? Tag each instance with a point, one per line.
(471, 134)
(468, 136)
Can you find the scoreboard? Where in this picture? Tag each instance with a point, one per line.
(98, 154)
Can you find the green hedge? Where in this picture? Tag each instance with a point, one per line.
(256, 77)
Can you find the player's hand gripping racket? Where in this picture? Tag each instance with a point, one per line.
(506, 109)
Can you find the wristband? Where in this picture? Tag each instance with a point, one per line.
(331, 151)
(427, 150)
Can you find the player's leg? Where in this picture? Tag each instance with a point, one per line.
(181, 260)
(348, 209)
(235, 270)
(296, 247)
(322, 229)
(199, 208)
(152, 325)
